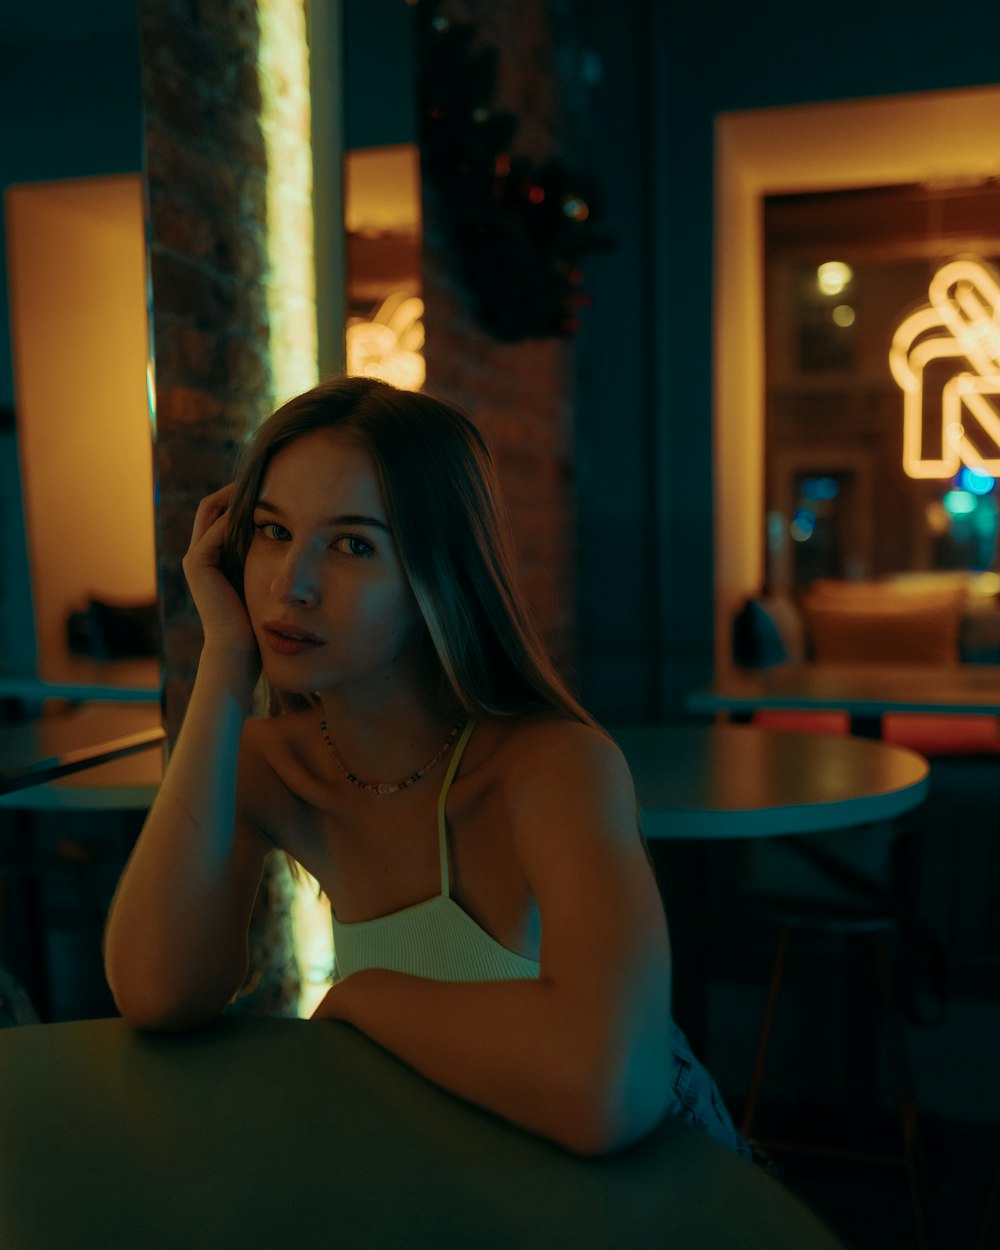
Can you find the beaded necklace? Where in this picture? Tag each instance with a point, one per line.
(388, 787)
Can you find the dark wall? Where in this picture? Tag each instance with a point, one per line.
(68, 109)
(617, 543)
(644, 425)
(380, 73)
(519, 393)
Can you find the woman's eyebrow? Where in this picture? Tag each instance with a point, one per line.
(264, 505)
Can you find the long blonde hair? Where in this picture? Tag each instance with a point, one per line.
(451, 531)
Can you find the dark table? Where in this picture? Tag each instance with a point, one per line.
(867, 692)
(54, 746)
(739, 781)
(290, 1133)
(98, 757)
(698, 784)
(80, 678)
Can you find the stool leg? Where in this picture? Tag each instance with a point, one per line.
(765, 1032)
(984, 1228)
(901, 1087)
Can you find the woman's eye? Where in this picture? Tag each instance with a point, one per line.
(271, 529)
(353, 545)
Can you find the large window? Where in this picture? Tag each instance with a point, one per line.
(843, 269)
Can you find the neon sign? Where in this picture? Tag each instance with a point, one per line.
(389, 344)
(961, 324)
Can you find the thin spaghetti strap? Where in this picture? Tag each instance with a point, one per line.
(449, 776)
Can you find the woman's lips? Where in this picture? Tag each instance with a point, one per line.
(287, 640)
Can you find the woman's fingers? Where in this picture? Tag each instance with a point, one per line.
(222, 613)
(209, 530)
(210, 510)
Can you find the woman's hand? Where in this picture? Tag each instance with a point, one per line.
(224, 618)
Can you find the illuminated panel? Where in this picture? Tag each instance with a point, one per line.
(283, 68)
(961, 324)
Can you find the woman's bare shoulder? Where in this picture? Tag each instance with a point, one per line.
(558, 750)
(567, 790)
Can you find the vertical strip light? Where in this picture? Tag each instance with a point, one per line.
(283, 68)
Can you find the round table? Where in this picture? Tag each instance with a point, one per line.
(739, 781)
(700, 784)
(293, 1133)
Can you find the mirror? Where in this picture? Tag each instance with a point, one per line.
(78, 573)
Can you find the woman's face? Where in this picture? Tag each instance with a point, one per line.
(327, 596)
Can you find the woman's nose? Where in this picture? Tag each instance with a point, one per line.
(296, 581)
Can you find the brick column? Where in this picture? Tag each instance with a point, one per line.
(207, 178)
(206, 171)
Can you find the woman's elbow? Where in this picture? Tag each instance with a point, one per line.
(157, 1014)
(595, 1132)
(156, 1005)
(609, 1111)
(589, 1135)
(164, 998)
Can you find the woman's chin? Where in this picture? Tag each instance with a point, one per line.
(280, 678)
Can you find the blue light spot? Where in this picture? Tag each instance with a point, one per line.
(959, 502)
(820, 488)
(803, 524)
(975, 480)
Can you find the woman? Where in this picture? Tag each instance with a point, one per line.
(500, 931)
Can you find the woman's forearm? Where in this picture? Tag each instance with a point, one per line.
(516, 1048)
(174, 949)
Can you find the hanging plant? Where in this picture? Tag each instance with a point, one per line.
(515, 229)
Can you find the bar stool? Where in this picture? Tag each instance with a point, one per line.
(44, 875)
(68, 838)
(987, 1219)
(875, 924)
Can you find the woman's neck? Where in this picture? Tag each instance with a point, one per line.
(384, 741)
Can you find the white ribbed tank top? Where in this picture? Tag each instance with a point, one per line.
(435, 938)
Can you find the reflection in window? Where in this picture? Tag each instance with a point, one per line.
(385, 332)
(843, 269)
(963, 524)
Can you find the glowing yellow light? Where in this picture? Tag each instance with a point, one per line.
(283, 67)
(843, 315)
(962, 324)
(938, 520)
(389, 344)
(833, 276)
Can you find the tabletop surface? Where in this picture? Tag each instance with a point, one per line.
(692, 781)
(724, 781)
(871, 689)
(266, 1132)
(73, 746)
(79, 677)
